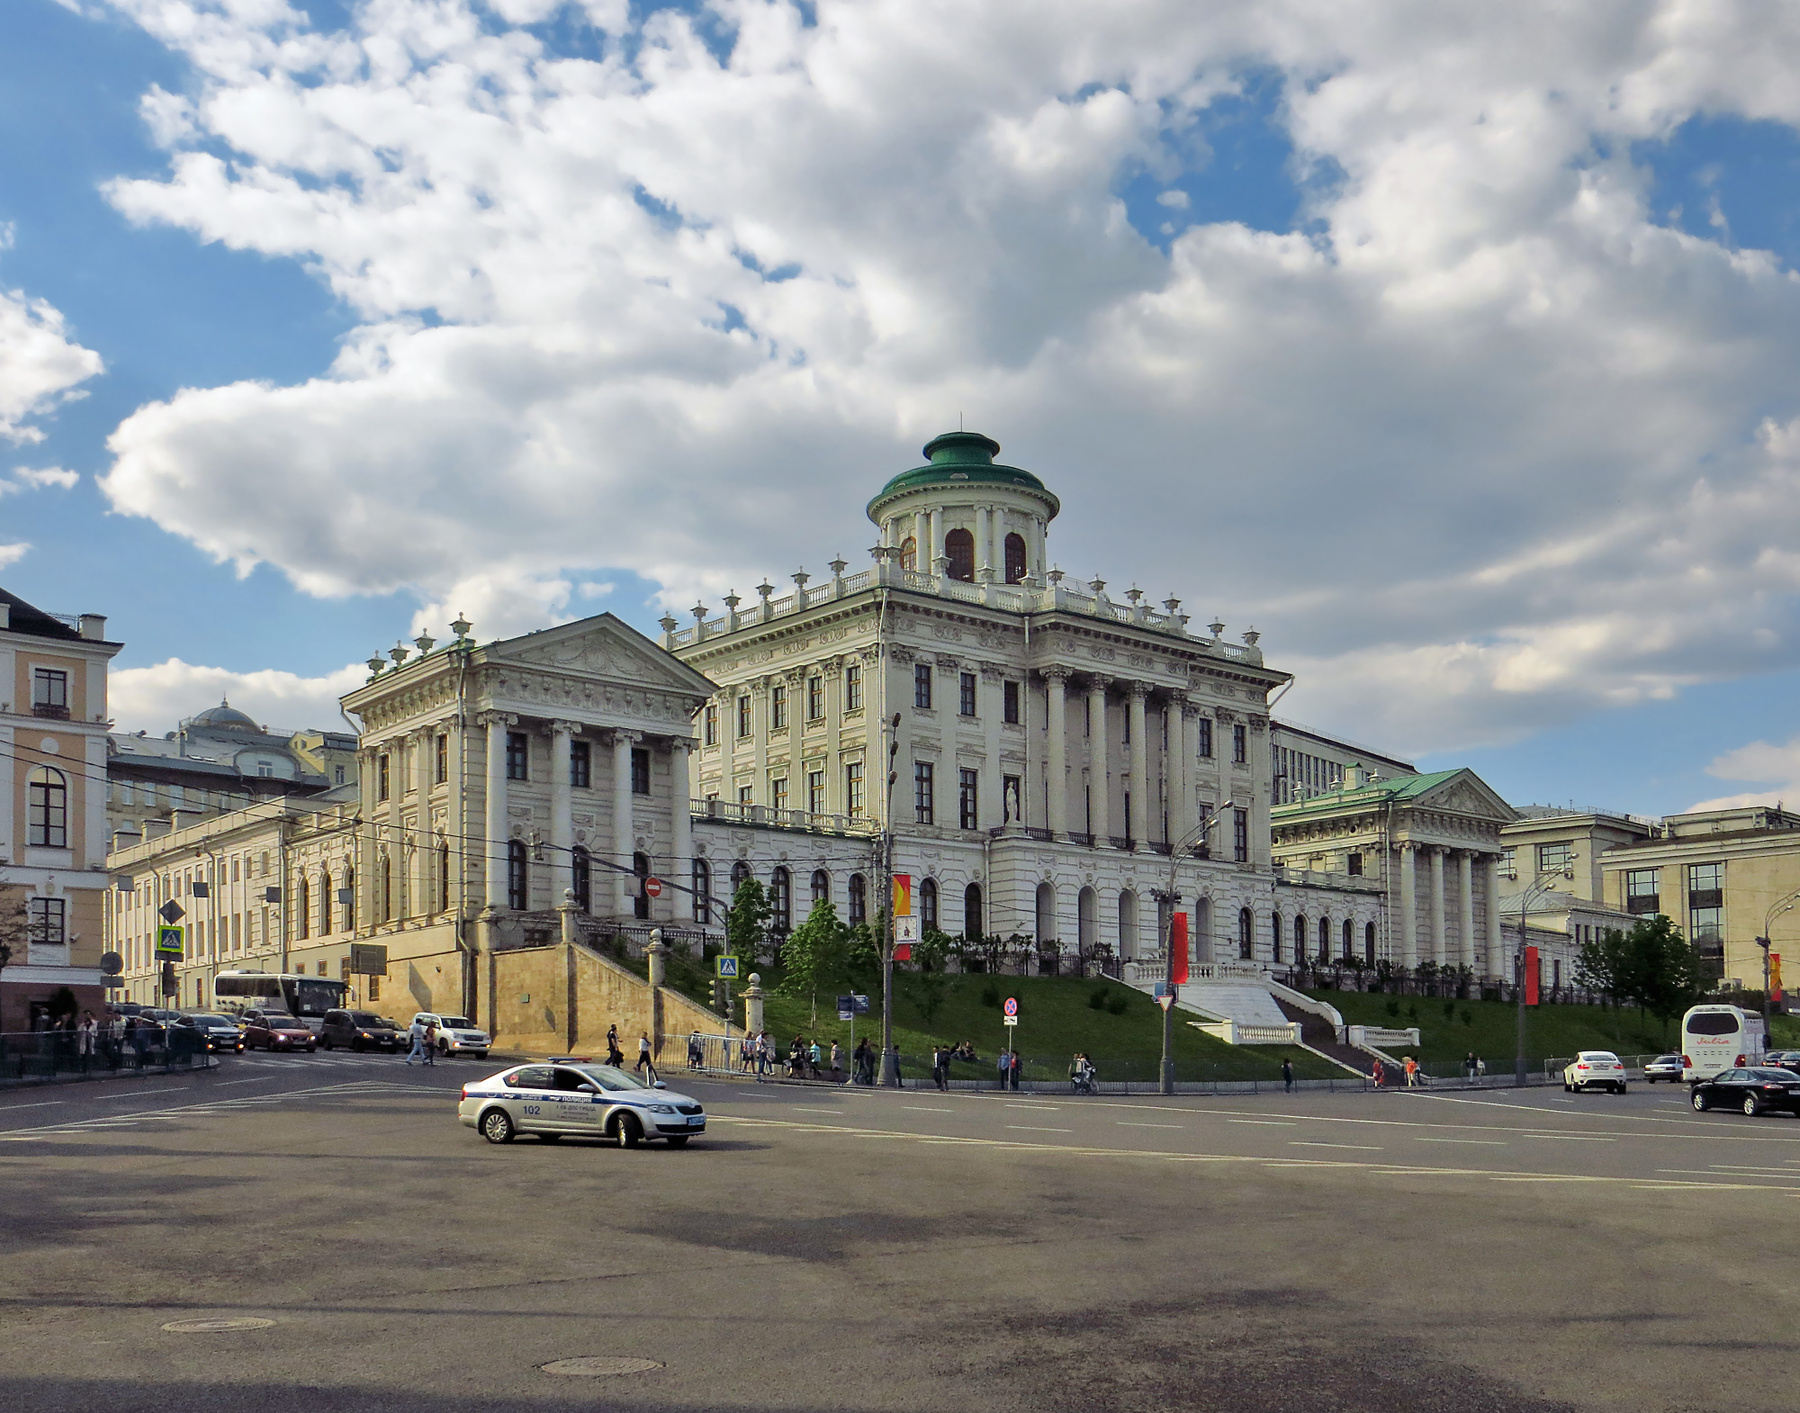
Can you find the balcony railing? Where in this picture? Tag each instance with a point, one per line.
(765, 817)
(52, 711)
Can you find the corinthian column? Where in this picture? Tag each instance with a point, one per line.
(494, 844)
(1465, 889)
(622, 849)
(1409, 907)
(1437, 906)
(562, 823)
(1099, 768)
(1141, 798)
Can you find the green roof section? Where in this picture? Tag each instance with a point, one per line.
(959, 459)
(1392, 790)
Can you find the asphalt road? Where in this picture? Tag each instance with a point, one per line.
(823, 1250)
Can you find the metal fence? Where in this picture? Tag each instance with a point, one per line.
(34, 1056)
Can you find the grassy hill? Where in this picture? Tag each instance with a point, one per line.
(1057, 1017)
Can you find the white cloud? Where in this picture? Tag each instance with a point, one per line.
(1486, 448)
(1177, 199)
(1776, 768)
(27, 478)
(40, 366)
(13, 553)
(154, 698)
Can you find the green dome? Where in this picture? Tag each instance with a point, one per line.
(957, 459)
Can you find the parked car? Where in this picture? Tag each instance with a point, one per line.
(1663, 1067)
(214, 1032)
(357, 1030)
(271, 1030)
(1782, 1059)
(594, 1100)
(1755, 1089)
(456, 1035)
(1594, 1069)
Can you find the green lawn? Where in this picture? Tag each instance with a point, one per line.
(1490, 1028)
(1055, 1020)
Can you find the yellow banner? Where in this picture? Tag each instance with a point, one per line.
(902, 895)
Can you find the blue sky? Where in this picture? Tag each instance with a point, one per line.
(1244, 354)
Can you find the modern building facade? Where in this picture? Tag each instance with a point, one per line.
(53, 726)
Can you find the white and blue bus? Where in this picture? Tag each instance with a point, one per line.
(306, 997)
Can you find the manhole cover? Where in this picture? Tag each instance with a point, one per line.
(246, 1322)
(592, 1365)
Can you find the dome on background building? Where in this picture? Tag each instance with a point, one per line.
(225, 717)
(960, 459)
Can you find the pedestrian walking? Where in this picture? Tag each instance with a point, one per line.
(1378, 1074)
(1287, 1076)
(416, 1033)
(431, 1036)
(1012, 1070)
(837, 1063)
(1002, 1062)
(1412, 1072)
(815, 1058)
(696, 1056)
(940, 1066)
(85, 1033)
(1469, 1065)
(614, 1055)
(765, 1053)
(1480, 1067)
(644, 1063)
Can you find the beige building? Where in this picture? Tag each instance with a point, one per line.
(53, 726)
(1723, 876)
(1053, 738)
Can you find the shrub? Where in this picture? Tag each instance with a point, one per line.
(1097, 999)
(1393, 1009)
(990, 996)
(1116, 1005)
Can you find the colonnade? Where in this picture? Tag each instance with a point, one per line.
(1449, 937)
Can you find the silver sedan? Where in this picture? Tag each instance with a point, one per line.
(557, 1098)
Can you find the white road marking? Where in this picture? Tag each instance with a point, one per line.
(42, 1104)
(1313, 1143)
(1485, 1142)
(1127, 1123)
(1038, 1128)
(1569, 1137)
(921, 1109)
(254, 1079)
(1271, 1123)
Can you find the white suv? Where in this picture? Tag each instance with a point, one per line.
(1594, 1069)
(455, 1035)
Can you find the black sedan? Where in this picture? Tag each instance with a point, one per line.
(358, 1030)
(215, 1032)
(1753, 1089)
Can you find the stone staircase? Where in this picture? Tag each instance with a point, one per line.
(1317, 1033)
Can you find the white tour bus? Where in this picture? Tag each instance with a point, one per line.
(1716, 1038)
(305, 997)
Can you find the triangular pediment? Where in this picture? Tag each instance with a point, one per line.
(1465, 793)
(603, 648)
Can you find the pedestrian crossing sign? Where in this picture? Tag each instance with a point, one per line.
(169, 942)
(727, 967)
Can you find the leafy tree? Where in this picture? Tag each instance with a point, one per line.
(747, 922)
(817, 954)
(1667, 974)
(14, 926)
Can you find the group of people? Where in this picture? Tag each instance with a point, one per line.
(1082, 1072)
(1413, 1073)
(645, 1067)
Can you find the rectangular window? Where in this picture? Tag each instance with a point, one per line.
(1240, 835)
(46, 922)
(744, 795)
(778, 708)
(383, 776)
(1240, 744)
(640, 770)
(1706, 930)
(965, 704)
(518, 756)
(1643, 890)
(743, 715)
(50, 693)
(853, 687)
(1203, 733)
(967, 784)
(815, 792)
(1509, 863)
(581, 765)
(922, 685)
(1010, 702)
(853, 789)
(1554, 858)
(778, 796)
(1353, 864)
(815, 698)
(709, 725)
(443, 760)
(1706, 885)
(924, 792)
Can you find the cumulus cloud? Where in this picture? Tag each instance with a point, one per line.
(1481, 446)
(154, 698)
(40, 365)
(27, 478)
(13, 553)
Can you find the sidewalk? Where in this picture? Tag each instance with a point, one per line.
(100, 1073)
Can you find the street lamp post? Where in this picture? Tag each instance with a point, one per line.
(1535, 890)
(1170, 899)
(1783, 905)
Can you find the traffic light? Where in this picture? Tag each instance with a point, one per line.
(170, 985)
(721, 996)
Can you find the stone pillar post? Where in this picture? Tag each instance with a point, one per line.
(622, 849)
(562, 823)
(1409, 906)
(1143, 798)
(681, 817)
(1057, 785)
(1465, 898)
(657, 955)
(984, 545)
(922, 541)
(1099, 768)
(495, 830)
(1182, 743)
(753, 1005)
(1496, 958)
(1437, 907)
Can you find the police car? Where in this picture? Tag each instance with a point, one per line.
(576, 1096)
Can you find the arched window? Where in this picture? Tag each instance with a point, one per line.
(1369, 943)
(1275, 936)
(739, 872)
(1324, 939)
(324, 903)
(821, 886)
(518, 877)
(349, 886)
(303, 909)
(640, 905)
(1299, 939)
(781, 902)
(959, 549)
(928, 908)
(1349, 939)
(48, 826)
(859, 899)
(909, 553)
(1046, 913)
(1015, 558)
(1128, 924)
(581, 878)
(973, 926)
(1246, 934)
(1087, 920)
(702, 886)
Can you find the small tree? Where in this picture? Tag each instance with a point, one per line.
(1604, 964)
(1666, 971)
(817, 954)
(746, 924)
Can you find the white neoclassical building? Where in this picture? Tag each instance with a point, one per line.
(1050, 740)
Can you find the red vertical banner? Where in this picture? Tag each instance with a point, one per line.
(1532, 966)
(1178, 939)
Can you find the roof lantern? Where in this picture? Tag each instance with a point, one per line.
(960, 459)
